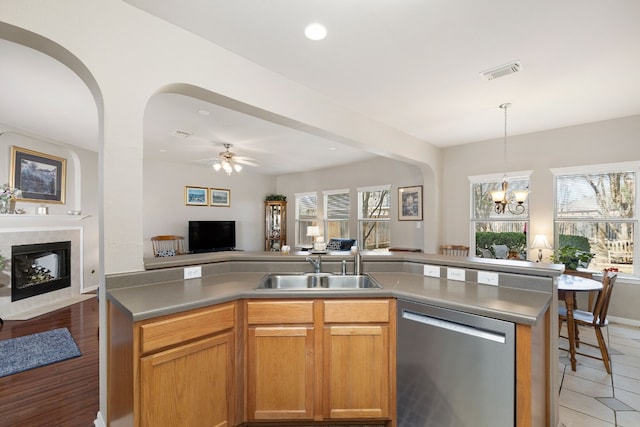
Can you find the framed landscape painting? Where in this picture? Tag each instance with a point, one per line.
(41, 177)
(410, 203)
(220, 197)
(196, 196)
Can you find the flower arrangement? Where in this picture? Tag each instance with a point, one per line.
(8, 192)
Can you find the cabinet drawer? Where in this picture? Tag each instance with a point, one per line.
(279, 312)
(356, 311)
(184, 327)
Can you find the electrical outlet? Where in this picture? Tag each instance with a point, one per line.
(456, 274)
(432, 270)
(487, 278)
(192, 272)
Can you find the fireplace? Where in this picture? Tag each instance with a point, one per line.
(39, 268)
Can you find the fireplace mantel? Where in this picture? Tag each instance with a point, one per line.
(17, 217)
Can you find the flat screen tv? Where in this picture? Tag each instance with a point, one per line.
(212, 236)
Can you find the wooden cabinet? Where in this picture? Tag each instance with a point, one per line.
(280, 369)
(357, 370)
(333, 360)
(180, 368)
(188, 384)
(275, 214)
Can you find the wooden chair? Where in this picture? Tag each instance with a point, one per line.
(596, 319)
(455, 250)
(167, 245)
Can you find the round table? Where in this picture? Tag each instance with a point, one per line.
(568, 285)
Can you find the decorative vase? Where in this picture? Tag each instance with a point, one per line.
(4, 206)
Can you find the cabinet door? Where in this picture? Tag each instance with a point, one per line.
(356, 371)
(280, 373)
(189, 385)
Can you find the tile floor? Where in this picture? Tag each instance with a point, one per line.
(589, 397)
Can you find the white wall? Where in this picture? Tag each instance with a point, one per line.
(608, 141)
(590, 144)
(164, 210)
(379, 171)
(81, 193)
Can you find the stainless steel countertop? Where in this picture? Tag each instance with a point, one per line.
(510, 304)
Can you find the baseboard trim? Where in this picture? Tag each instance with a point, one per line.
(99, 421)
(623, 321)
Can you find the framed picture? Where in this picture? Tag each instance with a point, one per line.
(410, 203)
(41, 177)
(220, 197)
(196, 196)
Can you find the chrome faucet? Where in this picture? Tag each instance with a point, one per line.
(317, 263)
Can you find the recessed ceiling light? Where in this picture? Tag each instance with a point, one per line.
(203, 112)
(163, 150)
(332, 148)
(315, 31)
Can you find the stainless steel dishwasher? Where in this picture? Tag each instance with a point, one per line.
(454, 369)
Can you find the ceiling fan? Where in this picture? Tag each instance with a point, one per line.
(229, 161)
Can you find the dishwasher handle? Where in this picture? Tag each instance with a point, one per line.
(455, 327)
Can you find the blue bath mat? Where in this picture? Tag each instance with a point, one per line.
(32, 351)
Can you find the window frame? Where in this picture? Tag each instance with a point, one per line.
(600, 169)
(326, 194)
(361, 220)
(304, 240)
(498, 218)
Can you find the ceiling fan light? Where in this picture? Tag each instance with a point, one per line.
(237, 167)
(217, 166)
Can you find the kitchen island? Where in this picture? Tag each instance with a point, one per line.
(157, 314)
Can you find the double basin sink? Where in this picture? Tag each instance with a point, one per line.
(317, 281)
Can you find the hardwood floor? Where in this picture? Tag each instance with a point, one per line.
(64, 393)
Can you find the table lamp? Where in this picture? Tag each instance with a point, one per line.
(540, 242)
(314, 232)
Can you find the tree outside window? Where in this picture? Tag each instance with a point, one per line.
(374, 218)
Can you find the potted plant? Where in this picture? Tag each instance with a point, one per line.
(515, 250)
(572, 257)
(275, 198)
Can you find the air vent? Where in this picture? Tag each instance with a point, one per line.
(181, 133)
(501, 71)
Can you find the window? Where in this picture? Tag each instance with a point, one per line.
(306, 212)
(498, 235)
(595, 211)
(373, 217)
(336, 208)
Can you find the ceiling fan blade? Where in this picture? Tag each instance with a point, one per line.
(245, 162)
(207, 160)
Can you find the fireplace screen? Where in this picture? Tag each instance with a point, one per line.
(39, 268)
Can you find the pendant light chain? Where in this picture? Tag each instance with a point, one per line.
(505, 107)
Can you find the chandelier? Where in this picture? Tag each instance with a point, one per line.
(502, 199)
(226, 163)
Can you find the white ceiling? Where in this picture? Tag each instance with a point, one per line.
(411, 64)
